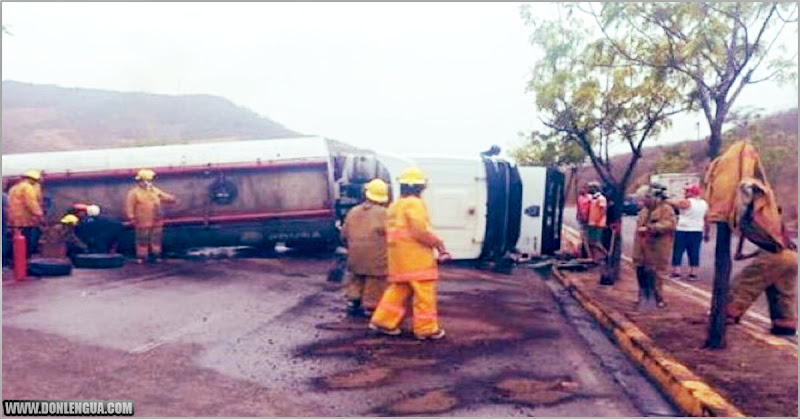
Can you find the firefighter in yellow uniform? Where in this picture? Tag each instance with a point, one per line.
(143, 209)
(653, 240)
(412, 264)
(25, 208)
(364, 235)
(59, 241)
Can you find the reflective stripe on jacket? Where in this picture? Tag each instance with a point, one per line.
(24, 204)
(364, 233)
(411, 241)
(144, 205)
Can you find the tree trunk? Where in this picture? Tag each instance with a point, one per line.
(715, 141)
(722, 274)
(722, 260)
(616, 198)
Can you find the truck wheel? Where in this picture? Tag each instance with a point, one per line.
(49, 267)
(98, 260)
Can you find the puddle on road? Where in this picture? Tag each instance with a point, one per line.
(360, 378)
(475, 330)
(536, 391)
(434, 401)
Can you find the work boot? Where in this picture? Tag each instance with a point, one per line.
(383, 330)
(439, 334)
(354, 308)
(783, 331)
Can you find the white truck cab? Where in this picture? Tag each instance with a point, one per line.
(486, 208)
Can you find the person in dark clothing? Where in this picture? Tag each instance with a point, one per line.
(101, 234)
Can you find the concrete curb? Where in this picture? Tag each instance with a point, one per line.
(684, 388)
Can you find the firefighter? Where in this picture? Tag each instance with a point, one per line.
(412, 265)
(652, 244)
(364, 235)
(25, 208)
(143, 209)
(774, 265)
(60, 241)
(101, 234)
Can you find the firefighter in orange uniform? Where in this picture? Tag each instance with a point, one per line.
(25, 208)
(143, 209)
(412, 265)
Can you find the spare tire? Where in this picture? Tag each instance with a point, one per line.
(98, 260)
(49, 267)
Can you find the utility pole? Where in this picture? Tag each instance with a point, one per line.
(698, 129)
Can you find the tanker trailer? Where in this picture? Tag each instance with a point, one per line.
(254, 192)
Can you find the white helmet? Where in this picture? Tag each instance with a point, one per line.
(93, 210)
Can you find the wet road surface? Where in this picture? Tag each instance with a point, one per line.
(266, 337)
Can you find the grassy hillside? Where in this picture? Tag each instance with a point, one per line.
(775, 136)
(50, 118)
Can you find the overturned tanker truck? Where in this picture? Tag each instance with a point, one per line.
(295, 191)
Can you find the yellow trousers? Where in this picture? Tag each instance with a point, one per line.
(391, 309)
(366, 288)
(148, 240)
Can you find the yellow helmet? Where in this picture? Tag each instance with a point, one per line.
(412, 176)
(69, 219)
(377, 190)
(34, 174)
(145, 174)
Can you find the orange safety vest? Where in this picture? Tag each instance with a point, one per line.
(144, 206)
(24, 204)
(597, 211)
(410, 242)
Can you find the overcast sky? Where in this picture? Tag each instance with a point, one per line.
(416, 78)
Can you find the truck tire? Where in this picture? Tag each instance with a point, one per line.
(98, 260)
(49, 267)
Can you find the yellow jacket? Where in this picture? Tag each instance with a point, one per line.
(411, 241)
(55, 240)
(143, 206)
(24, 204)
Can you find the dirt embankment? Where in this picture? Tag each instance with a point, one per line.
(758, 378)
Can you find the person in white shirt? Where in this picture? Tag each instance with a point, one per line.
(691, 231)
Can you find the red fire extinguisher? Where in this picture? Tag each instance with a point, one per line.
(20, 248)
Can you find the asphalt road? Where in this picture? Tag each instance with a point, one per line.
(267, 337)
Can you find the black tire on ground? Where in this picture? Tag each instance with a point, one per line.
(98, 260)
(49, 267)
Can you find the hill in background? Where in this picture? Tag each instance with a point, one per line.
(775, 136)
(51, 118)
